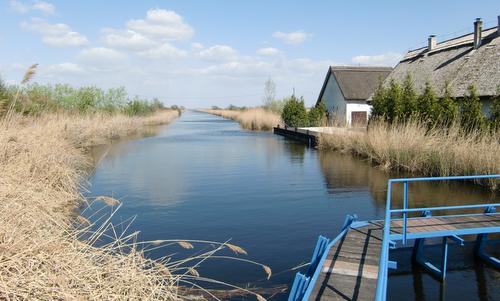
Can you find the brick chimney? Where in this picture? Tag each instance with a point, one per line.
(432, 42)
(478, 30)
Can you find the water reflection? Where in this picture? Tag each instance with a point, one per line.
(346, 173)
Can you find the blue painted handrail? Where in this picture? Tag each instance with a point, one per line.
(303, 285)
(381, 292)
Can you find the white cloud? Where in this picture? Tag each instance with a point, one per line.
(162, 24)
(43, 7)
(386, 59)
(292, 38)
(65, 68)
(196, 46)
(127, 39)
(218, 53)
(58, 34)
(269, 51)
(101, 55)
(165, 51)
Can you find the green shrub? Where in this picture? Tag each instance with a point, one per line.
(472, 117)
(408, 100)
(393, 101)
(495, 111)
(448, 108)
(294, 112)
(379, 106)
(427, 109)
(317, 115)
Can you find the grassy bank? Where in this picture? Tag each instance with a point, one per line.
(256, 119)
(412, 147)
(43, 163)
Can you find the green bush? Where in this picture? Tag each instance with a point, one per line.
(448, 108)
(408, 106)
(34, 99)
(379, 106)
(495, 111)
(471, 116)
(427, 109)
(317, 115)
(294, 112)
(400, 104)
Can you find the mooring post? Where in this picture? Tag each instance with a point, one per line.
(444, 258)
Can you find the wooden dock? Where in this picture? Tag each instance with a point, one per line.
(350, 271)
(354, 265)
(310, 138)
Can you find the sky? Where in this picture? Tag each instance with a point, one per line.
(204, 53)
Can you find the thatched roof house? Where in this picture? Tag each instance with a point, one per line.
(471, 59)
(346, 89)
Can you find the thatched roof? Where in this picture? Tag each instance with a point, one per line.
(457, 62)
(356, 83)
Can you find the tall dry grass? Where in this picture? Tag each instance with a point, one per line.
(48, 251)
(412, 147)
(255, 119)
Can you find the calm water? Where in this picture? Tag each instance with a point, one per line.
(202, 177)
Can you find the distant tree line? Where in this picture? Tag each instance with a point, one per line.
(400, 103)
(34, 99)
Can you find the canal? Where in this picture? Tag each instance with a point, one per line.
(202, 177)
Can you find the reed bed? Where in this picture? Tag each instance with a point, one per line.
(414, 148)
(48, 251)
(255, 119)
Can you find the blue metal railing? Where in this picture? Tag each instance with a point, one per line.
(303, 284)
(381, 292)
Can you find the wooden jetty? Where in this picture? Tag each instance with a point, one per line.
(304, 135)
(354, 265)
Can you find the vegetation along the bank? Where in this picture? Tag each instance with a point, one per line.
(48, 249)
(426, 135)
(290, 111)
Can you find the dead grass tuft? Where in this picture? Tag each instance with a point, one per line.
(236, 249)
(108, 200)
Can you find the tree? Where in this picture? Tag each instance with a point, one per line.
(294, 112)
(393, 101)
(317, 114)
(379, 107)
(408, 100)
(426, 105)
(472, 116)
(269, 92)
(495, 111)
(448, 107)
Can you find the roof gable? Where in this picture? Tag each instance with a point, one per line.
(356, 83)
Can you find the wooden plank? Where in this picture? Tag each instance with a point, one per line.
(350, 269)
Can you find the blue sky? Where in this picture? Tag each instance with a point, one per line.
(202, 53)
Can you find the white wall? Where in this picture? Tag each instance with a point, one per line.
(356, 107)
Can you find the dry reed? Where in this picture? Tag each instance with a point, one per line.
(47, 252)
(255, 119)
(412, 147)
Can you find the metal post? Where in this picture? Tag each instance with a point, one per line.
(405, 206)
(444, 258)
